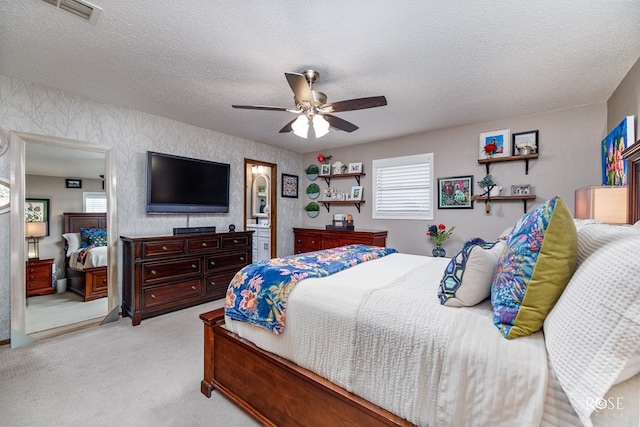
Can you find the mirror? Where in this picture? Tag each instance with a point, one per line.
(260, 191)
(19, 143)
(5, 196)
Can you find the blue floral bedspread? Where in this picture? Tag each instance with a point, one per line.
(258, 293)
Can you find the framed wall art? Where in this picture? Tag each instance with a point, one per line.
(523, 143)
(455, 192)
(355, 168)
(356, 193)
(519, 190)
(74, 183)
(495, 144)
(325, 169)
(289, 185)
(37, 210)
(614, 167)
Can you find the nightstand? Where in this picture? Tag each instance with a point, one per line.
(38, 277)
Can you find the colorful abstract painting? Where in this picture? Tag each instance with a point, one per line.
(614, 167)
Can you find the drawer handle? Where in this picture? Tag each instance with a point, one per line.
(213, 264)
(193, 287)
(313, 241)
(241, 258)
(164, 248)
(212, 283)
(204, 244)
(153, 296)
(31, 271)
(31, 277)
(235, 241)
(194, 266)
(153, 272)
(31, 285)
(104, 280)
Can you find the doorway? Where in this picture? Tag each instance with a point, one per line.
(261, 207)
(19, 142)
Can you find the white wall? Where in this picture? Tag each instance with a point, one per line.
(31, 108)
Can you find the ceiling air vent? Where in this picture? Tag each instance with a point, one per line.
(79, 8)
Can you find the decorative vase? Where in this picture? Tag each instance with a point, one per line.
(313, 214)
(438, 251)
(312, 176)
(313, 195)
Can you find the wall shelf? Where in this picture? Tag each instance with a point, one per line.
(357, 176)
(327, 203)
(523, 197)
(524, 158)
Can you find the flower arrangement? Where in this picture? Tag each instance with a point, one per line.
(487, 182)
(439, 233)
(324, 159)
(491, 147)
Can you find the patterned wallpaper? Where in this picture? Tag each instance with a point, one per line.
(31, 108)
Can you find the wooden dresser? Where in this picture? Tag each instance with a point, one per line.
(313, 239)
(167, 273)
(39, 277)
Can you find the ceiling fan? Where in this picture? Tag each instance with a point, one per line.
(311, 106)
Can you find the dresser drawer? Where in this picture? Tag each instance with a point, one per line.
(164, 294)
(153, 272)
(38, 273)
(235, 241)
(203, 244)
(158, 249)
(98, 281)
(226, 261)
(217, 284)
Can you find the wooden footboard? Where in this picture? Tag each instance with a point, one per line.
(276, 391)
(90, 283)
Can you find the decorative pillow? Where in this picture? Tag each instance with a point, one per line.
(73, 242)
(595, 236)
(93, 237)
(467, 278)
(534, 269)
(592, 334)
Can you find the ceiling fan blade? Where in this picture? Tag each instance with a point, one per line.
(287, 127)
(338, 123)
(300, 87)
(260, 107)
(356, 104)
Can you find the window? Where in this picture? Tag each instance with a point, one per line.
(94, 202)
(403, 187)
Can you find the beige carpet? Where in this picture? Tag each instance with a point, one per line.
(45, 312)
(115, 375)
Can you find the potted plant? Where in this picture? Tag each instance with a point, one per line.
(312, 172)
(313, 190)
(490, 187)
(313, 209)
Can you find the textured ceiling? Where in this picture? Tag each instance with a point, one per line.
(440, 64)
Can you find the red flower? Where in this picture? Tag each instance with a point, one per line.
(442, 227)
(490, 148)
(322, 158)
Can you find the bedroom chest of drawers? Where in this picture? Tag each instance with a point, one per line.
(167, 273)
(39, 278)
(313, 239)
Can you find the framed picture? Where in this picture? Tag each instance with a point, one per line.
(356, 193)
(523, 143)
(325, 169)
(355, 168)
(455, 192)
(289, 185)
(74, 183)
(37, 210)
(614, 167)
(495, 144)
(519, 190)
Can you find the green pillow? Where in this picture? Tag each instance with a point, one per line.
(534, 269)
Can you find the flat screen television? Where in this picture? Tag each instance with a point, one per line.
(184, 185)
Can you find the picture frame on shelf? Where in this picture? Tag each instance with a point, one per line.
(455, 192)
(520, 190)
(73, 183)
(37, 210)
(289, 185)
(495, 144)
(355, 167)
(356, 193)
(524, 143)
(325, 169)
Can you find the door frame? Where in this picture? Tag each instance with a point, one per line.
(273, 198)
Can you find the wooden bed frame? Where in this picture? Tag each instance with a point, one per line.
(91, 283)
(278, 392)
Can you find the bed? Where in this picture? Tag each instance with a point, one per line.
(86, 270)
(380, 349)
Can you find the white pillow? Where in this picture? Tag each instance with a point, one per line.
(469, 283)
(73, 242)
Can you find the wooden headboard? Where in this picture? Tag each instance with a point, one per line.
(632, 154)
(73, 221)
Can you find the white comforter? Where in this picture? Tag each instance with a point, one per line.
(97, 257)
(379, 331)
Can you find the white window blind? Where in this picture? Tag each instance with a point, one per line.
(94, 202)
(403, 187)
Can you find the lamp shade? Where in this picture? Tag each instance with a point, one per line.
(301, 126)
(320, 126)
(35, 229)
(607, 203)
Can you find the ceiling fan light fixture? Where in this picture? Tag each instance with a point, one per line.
(320, 126)
(301, 126)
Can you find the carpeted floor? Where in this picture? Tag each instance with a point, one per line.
(115, 374)
(45, 312)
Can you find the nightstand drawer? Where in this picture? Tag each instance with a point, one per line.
(164, 294)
